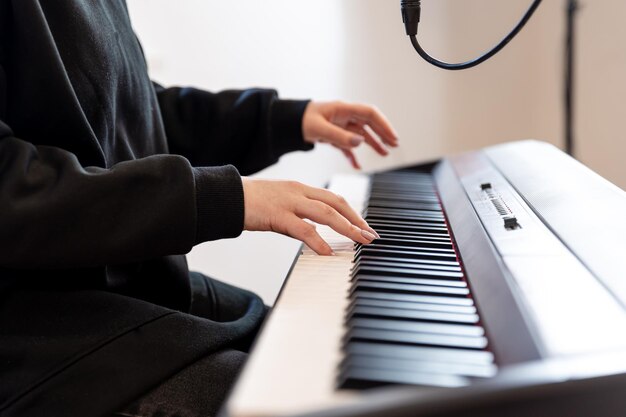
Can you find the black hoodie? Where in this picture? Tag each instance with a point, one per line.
(105, 180)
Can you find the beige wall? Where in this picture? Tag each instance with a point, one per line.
(356, 50)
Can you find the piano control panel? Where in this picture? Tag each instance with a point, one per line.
(553, 283)
(508, 217)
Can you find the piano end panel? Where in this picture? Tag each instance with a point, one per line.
(510, 331)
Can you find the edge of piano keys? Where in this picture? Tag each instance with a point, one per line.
(269, 385)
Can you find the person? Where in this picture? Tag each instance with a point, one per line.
(106, 180)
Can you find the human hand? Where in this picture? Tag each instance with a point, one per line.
(282, 206)
(346, 126)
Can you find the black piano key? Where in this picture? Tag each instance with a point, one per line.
(412, 298)
(396, 194)
(439, 225)
(406, 205)
(379, 244)
(406, 271)
(400, 261)
(422, 244)
(396, 225)
(433, 219)
(426, 367)
(386, 234)
(406, 253)
(395, 263)
(421, 353)
(422, 339)
(410, 289)
(403, 314)
(405, 213)
(412, 281)
(413, 305)
(360, 379)
(418, 327)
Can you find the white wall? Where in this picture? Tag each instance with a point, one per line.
(356, 50)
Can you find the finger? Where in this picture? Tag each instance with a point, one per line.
(352, 158)
(369, 139)
(324, 214)
(305, 232)
(341, 205)
(343, 139)
(377, 121)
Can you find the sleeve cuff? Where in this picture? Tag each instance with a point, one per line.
(219, 202)
(286, 124)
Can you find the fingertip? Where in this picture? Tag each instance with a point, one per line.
(373, 232)
(356, 140)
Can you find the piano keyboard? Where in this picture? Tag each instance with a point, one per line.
(411, 317)
(406, 310)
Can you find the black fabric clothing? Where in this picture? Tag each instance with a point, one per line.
(196, 391)
(103, 185)
(122, 362)
(200, 389)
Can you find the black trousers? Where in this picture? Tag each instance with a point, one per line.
(200, 389)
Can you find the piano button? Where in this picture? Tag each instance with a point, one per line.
(418, 327)
(439, 368)
(359, 379)
(412, 298)
(412, 281)
(378, 312)
(475, 357)
(411, 289)
(413, 306)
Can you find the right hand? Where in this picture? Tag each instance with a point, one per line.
(282, 206)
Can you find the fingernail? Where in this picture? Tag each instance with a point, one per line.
(357, 140)
(367, 235)
(374, 232)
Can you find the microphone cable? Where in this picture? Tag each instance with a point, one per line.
(411, 11)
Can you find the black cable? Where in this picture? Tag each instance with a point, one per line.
(572, 8)
(411, 10)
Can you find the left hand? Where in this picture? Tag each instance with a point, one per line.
(345, 126)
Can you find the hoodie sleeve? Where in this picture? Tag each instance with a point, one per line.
(54, 213)
(249, 129)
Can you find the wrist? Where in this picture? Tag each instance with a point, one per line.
(287, 119)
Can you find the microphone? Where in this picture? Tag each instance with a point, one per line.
(411, 13)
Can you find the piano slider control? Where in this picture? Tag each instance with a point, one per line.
(510, 222)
